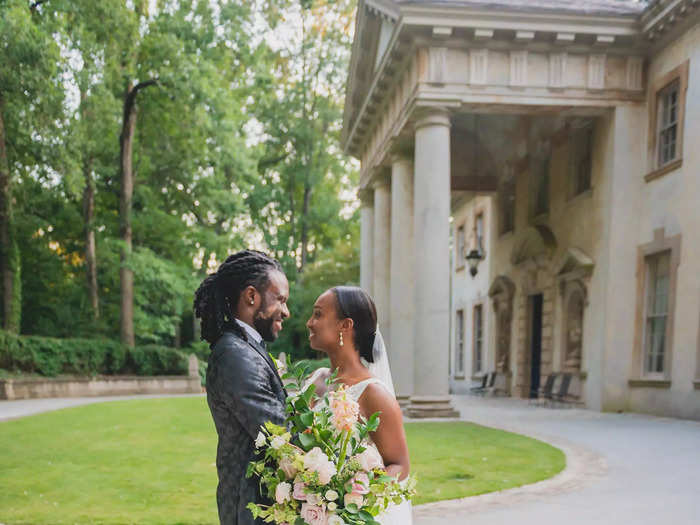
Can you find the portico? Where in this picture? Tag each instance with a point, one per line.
(450, 102)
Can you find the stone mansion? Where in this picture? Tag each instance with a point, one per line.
(557, 144)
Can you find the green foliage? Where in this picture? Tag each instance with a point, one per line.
(48, 356)
(230, 140)
(336, 268)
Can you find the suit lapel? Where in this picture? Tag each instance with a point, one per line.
(263, 353)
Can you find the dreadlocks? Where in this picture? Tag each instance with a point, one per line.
(216, 298)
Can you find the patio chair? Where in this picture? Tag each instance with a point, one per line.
(572, 396)
(545, 392)
(560, 395)
(480, 387)
(489, 384)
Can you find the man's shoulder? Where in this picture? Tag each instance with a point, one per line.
(232, 345)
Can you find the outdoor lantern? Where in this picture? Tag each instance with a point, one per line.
(476, 254)
(473, 258)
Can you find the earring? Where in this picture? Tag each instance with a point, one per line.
(341, 339)
(252, 301)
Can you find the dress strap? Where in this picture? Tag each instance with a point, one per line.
(359, 388)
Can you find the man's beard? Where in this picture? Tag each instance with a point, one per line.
(264, 325)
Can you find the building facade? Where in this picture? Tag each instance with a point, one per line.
(573, 128)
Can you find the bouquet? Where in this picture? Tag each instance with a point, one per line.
(321, 469)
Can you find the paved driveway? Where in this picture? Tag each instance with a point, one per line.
(621, 469)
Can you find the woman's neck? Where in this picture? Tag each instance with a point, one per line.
(347, 362)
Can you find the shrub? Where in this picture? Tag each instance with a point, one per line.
(50, 356)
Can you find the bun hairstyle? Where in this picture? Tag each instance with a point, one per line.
(216, 299)
(354, 303)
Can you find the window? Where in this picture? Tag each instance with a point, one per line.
(666, 121)
(460, 247)
(478, 343)
(459, 343)
(507, 206)
(667, 114)
(539, 181)
(656, 312)
(581, 148)
(657, 276)
(479, 230)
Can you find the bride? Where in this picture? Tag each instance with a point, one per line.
(344, 326)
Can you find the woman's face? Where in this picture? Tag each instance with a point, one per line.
(324, 325)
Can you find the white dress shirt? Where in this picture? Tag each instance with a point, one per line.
(252, 332)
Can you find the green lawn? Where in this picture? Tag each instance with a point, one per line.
(152, 461)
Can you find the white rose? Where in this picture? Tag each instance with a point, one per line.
(277, 442)
(370, 459)
(334, 519)
(357, 499)
(332, 506)
(313, 499)
(316, 460)
(331, 495)
(260, 440)
(283, 492)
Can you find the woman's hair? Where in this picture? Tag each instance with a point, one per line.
(354, 303)
(216, 299)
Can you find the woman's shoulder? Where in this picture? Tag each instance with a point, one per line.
(377, 395)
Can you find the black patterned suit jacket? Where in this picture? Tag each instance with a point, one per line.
(244, 391)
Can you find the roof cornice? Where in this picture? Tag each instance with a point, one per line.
(648, 29)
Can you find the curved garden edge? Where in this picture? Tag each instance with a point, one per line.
(583, 466)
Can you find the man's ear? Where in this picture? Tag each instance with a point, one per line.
(249, 295)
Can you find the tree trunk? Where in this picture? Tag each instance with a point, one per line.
(305, 227)
(126, 275)
(88, 217)
(90, 249)
(126, 146)
(8, 256)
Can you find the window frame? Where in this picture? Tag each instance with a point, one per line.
(659, 245)
(651, 264)
(503, 194)
(478, 338)
(460, 341)
(677, 75)
(480, 236)
(586, 130)
(460, 262)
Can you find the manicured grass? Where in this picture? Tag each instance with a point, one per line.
(152, 461)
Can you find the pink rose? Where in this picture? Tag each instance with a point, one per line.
(299, 491)
(355, 498)
(370, 459)
(313, 514)
(287, 466)
(360, 483)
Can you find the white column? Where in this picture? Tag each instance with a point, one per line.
(432, 267)
(382, 253)
(367, 240)
(401, 295)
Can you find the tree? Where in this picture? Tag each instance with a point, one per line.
(30, 105)
(299, 204)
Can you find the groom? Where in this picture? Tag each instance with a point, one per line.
(240, 306)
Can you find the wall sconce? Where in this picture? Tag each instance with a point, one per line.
(475, 256)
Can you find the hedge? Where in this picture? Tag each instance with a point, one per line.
(49, 356)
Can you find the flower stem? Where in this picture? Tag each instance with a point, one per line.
(343, 450)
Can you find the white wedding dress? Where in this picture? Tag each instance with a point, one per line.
(401, 514)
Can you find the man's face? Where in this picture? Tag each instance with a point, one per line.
(273, 308)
